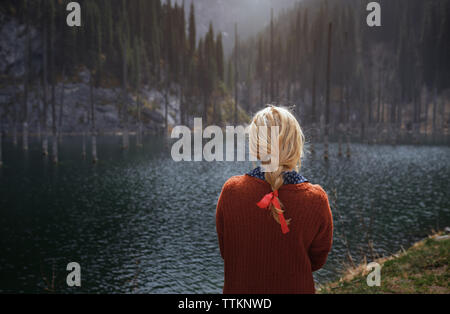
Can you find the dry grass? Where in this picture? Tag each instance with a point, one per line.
(423, 268)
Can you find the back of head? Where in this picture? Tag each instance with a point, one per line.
(290, 143)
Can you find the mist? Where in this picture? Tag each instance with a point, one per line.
(250, 15)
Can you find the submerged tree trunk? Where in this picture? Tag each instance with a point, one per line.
(54, 128)
(61, 105)
(347, 137)
(399, 118)
(138, 102)
(83, 145)
(38, 126)
(14, 132)
(125, 137)
(341, 122)
(45, 90)
(392, 118)
(434, 112)
(139, 135)
(363, 113)
(327, 108)
(166, 110)
(25, 119)
(25, 133)
(45, 136)
(368, 138)
(83, 139)
(139, 131)
(25, 136)
(313, 107)
(1, 143)
(38, 100)
(378, 109)
(55, 146)
(347, 122)
(425, 124)
(442, 114)
(94, 148)
(416, 124)
(125, 134)
(93, 129)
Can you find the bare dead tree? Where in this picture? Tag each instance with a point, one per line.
(327, 104)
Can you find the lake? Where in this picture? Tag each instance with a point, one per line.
(138, 222)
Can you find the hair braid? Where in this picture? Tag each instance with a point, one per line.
(290, 145)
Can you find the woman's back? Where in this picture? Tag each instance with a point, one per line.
(274, 227)
(258, 257)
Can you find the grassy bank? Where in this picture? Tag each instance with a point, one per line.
(423, 268)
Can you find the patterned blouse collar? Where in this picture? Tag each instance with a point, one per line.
(290, 177)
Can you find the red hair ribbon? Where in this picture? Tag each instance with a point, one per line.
(272, 198)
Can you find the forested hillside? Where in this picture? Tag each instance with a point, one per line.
(123, 44)
(379, 79)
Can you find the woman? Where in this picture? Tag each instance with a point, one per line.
(274, 228)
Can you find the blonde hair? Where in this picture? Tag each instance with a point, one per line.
(290, 145)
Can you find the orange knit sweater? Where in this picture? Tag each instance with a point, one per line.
(258, 257)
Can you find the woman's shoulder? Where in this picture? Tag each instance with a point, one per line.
(242, 184)
(314, 195)
(236, 182)
(310, 190)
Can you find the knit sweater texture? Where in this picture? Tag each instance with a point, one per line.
(258, 257)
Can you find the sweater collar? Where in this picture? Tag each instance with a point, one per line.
(290, 177)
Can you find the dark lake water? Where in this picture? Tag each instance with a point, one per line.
(140, 222)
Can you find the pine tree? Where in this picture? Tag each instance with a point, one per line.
(219, 58)
(260, 68)
(192, 30)
(230, 75)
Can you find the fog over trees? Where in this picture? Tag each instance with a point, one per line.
(250, 15)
